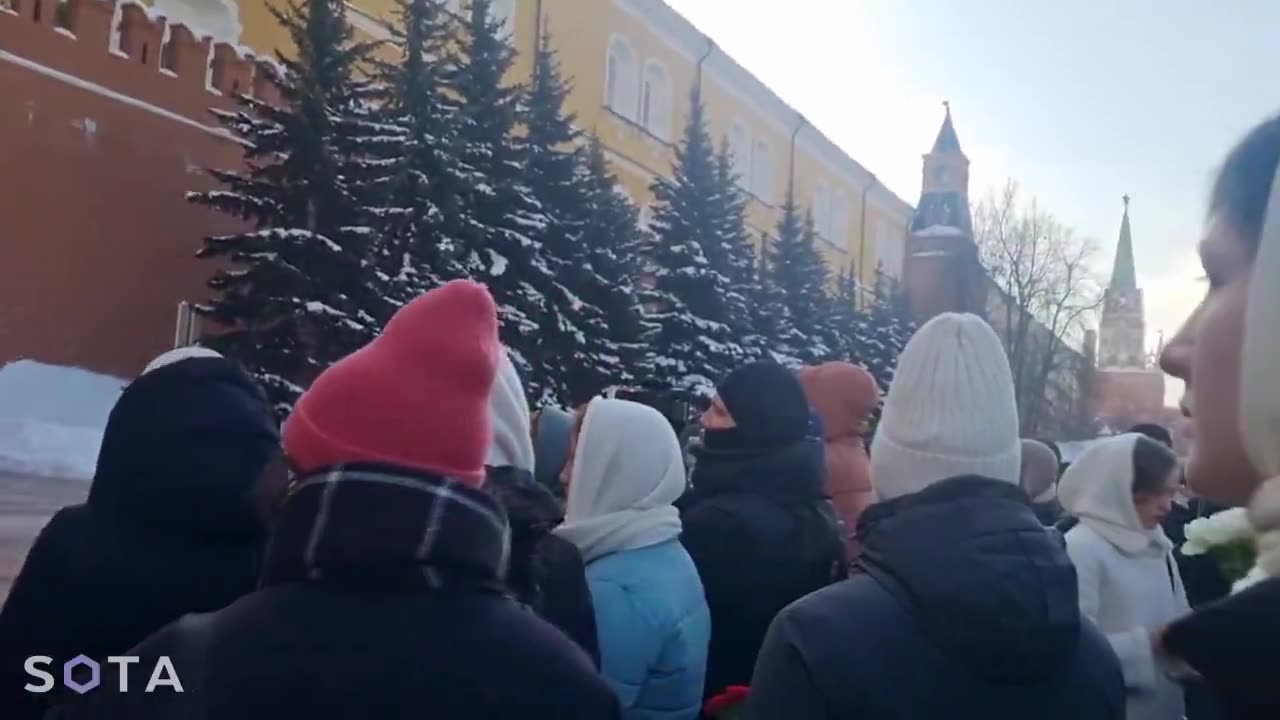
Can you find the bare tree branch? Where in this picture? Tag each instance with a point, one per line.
(1050, 294)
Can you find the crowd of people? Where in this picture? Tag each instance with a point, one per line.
(414, 542)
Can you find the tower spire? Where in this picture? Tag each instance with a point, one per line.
(1123, 275)
(947, 140)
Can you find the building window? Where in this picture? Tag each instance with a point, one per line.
(655, 100)
(888, 249)
(762, 171)
(839, 221)
(504, 12)
(620, 78)
(822, 210)
(740, 146)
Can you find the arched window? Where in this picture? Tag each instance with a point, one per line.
(889, 250)
(740, 146)
(504, 12)
(655, 100)
(822, 209)
(218, 18)
(839, 219)
(620, 78)
(762, 171)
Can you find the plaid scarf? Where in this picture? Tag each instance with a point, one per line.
(369, 527)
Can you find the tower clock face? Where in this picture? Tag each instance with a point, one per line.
(942, 175)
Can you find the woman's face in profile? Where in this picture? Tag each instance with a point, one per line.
(1206, 354)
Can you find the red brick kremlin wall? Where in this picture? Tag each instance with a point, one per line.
(104, 125)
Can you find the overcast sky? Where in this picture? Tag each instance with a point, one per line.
(1081, 102)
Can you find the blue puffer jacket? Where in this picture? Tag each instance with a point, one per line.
(654, 628)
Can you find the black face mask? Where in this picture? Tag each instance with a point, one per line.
(727, 440)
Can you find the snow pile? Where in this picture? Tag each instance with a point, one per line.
(52, 418)
(940, 231)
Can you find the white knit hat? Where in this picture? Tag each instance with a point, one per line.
(512, 439)
(178, 355)
(950, 410)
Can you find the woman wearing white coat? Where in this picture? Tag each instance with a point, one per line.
(1120, 489)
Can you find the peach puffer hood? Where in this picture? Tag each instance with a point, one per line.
(844, 396)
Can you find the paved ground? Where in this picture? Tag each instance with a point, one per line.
(25, 505)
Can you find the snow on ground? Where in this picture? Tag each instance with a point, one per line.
(52, 417)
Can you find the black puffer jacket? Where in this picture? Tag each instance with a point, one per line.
(169, 526)
(406, 623)
(1233, 644)
(545, 572)
(967, 608)
(763, 533)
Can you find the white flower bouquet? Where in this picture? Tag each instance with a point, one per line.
(1229, 539)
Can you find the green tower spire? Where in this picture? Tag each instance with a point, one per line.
(1123, 276)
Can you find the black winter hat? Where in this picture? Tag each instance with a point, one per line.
(767, 404)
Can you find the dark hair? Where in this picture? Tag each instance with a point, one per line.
(1155, 432)
(1053, 446)
(1244, 184)
(1153, 466)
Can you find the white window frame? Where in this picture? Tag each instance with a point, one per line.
(839, 221)
(821, 209)
(740, 145)
(655, 99)
(888, 252)
(621, 79)
(762, 170)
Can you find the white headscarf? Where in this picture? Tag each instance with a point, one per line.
(512, 444)
(627, 473)
(1260, 386)
(1098, 489)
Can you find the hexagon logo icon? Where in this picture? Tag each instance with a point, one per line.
(95, 674)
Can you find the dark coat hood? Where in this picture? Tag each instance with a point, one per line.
(183, 448)
(981, 575)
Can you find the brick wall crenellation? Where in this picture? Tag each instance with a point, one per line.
(123, 46)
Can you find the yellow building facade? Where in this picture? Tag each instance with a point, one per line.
(633, 64)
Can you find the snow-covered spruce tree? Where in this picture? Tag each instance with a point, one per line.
(604, 271)
(688, 294)
(770, 315)
(801, 276)
(505, 249)
(419, 177)
(844, 315)
(731, 253)
(294, 294)
(576, 353)
(883, 331)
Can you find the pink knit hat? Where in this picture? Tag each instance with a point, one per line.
(417, 397)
